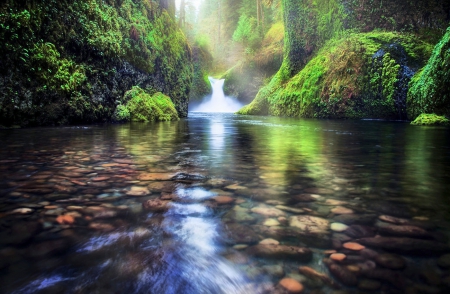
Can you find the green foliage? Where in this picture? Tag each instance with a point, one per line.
(340, 80)
(429, 88)
(245, 29)
(426, 119)
(143, 107)
(121, 114)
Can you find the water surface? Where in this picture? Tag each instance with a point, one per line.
(72, 221)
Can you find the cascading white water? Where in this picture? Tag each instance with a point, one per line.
(218, 102)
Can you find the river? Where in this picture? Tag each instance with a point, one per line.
(221, 203)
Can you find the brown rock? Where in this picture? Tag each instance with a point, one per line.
(360, 231)
(341, 273)
(353, 246)
(291, 285)
(101, 227)
(302, 198)
(65, 219)
(313, 274)
(342, 210)
(280, 251)
(156, 176)
(223, 199)
(156, 205)
(403, 231)
(338, 256)
(390, 261)
(407, 245)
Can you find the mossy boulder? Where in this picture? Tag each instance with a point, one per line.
(432, 119)
(202, 61)
(363, 75)
(429, 90)
(67, 62)
(143, 107)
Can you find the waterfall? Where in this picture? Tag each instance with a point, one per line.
(218, 102)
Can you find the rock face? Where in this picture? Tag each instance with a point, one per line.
(49, 77)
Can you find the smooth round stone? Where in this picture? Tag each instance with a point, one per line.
(74, 207)
(268, 211)
(334, 202)
(22, 210)
(390, 261)
(341, 210)
(270, 222)
(223, 199)
(338, 256)
(274, 270)
(444, 261)
(338, 227)
(65, 219)
(353, 246)
(290, 209)
(269, 241)
(240, 246)
(138, 191)
(291, 285)
(354, 268)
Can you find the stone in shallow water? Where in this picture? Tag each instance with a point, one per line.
(138, 191)
(341, 273)
(353, 219)
(281, 251)
(242, 234)
(290, 209)
(65, 219)
(338, 256)
(156, 176)
(309, 223)
(407, 245)
(369, 285)
(342, 210)
(402, 231)
(359, 231)
(101, 227)
(22, 210)
(334, 202)
(338, 227)
(269, 241)
(268, 211)
(270, 222)
(353, 246)
(313, 274)
(273, 270)
(391, 261)
(223, 199)
(156, 205)
(291, 285)
(303, 198)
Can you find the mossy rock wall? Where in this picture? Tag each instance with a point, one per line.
(429, 90)
(65, 62)
(202, 60)
(358, 76)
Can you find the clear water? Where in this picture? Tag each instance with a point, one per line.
(98, 176)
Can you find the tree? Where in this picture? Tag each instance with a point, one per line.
(169, 6)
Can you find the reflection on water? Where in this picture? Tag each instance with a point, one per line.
(223, 191)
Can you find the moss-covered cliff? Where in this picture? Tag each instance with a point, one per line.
(331, 70)
(429, 90)
(65, 62)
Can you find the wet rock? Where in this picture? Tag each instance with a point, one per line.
(222, 200)
(406, 245)
(334, 202)
(444, 261)
(290, 209)
(280, 251)
(353, 246)
(390, 209)
(273, 270)
(319, 240)
(431, 276)
(424, 224)
(393, 277)
(369, 285)
(65, 220)
(368, 253)
(313, 274)
(22, 210)
(189, 178)
(403, 231)
(302, 198)
(342, 210)
(309, 223)
(319, 191)
(156, 205)
(353, 219)
(240, 246)
(268, 211)
(138, 191)
(360, 231)
(338, 227)
(242, 234)
(341, 273)
(237, 258)
(240, 215)
(390, 261)
(291, 285)
(269, 241)
(337, 256)
(101, 227)
(270, 222)
(156, 176)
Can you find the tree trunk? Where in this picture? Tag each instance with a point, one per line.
(169, 6)
(182, 19)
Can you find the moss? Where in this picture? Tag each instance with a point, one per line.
(426, 119)
(72, 61)
(121, 114)
(144, 107)
(429, 88)
(352, 77)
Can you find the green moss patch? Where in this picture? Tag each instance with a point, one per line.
(426, 119)
(143, 107)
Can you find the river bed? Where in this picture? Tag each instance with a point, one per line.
(221, 203)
